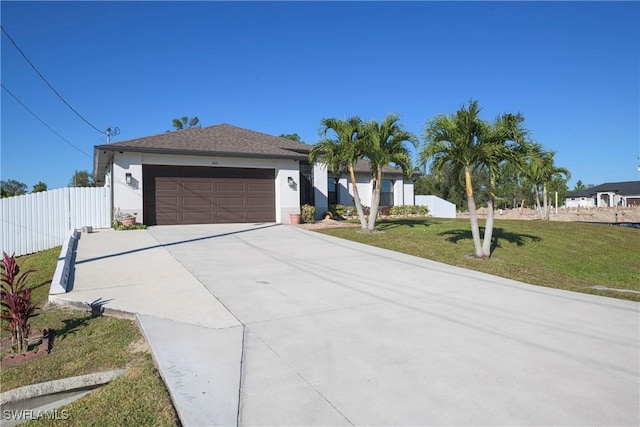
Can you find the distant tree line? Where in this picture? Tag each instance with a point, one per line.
(12, 187)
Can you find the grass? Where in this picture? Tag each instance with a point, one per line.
(564, 255)
(86, 344)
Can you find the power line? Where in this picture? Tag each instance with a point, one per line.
(42, 121)
(45, 80)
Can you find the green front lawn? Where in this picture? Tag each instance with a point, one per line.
(563, 255)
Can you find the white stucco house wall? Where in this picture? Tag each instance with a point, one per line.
(220, 174)
(396, 189)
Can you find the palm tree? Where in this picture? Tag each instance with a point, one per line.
(454, 140)
(499, 143)
(382, 144)
(185, 123)
(540, 169)
(341, 153)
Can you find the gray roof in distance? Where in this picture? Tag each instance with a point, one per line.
(623, 188)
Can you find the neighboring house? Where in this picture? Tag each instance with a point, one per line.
(218, 174)
(605, 195)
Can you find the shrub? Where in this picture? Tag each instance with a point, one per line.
(384, 210)
(308, 214)
(342, 210)
(409, 210)
(118, 225)
(15, 299)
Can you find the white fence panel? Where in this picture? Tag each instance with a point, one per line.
(39, 221)
(438, 208)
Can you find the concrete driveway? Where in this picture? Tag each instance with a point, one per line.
(322, 331)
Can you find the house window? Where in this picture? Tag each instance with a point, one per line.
(386, 192)
(332, 189)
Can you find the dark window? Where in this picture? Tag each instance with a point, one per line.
(306, 184)
(386, 193)
(332, 189)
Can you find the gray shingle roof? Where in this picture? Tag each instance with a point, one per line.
(221, 140)
(364, 165)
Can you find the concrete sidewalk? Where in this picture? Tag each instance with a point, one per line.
(298, 328)
(195, 341)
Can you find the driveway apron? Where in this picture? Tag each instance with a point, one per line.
(339, 333)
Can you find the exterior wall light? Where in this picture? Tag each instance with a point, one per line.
(291, 181)
(127, 178)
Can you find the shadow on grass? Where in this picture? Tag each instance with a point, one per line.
(45, 283)
(72, 325)
(499, 234)
(390, 224)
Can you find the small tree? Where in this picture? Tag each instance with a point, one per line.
(82, 179)
(15, 299)
(11, 188)
(292, 136)
(39, 187)
(185, 123)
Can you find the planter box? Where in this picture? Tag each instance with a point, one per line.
(128, 221)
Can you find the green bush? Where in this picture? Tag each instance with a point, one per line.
(308, 214)
(342, 210)
(118, 225)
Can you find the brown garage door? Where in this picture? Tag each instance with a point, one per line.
(202, 195)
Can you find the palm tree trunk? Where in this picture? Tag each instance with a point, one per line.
(356, 199)
(536, 195)
(488, 228)
(545, 200)
(375, 200)
(473, 215)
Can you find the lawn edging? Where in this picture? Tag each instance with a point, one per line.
(58, 386)
(60, 281)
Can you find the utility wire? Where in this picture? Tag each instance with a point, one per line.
(42, 121)
(45, 80)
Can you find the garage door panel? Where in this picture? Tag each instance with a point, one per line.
(201, 195)
(229, 202)
(258, 201)
(199, 185)
(165, 218)
(259, 216)
(258, 186)
(197, 201)
(231, 187)
(166, 184)
(168, 201)
(196, 217)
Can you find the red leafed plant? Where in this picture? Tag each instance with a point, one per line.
(15, 299)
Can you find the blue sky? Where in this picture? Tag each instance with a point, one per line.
(571, 68)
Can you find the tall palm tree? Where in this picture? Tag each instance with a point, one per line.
(384, 143)
(454, 139)
(341, 153)
(499, 143)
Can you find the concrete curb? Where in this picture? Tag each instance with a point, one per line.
(96, 309)
(59, 283)
(57, 386)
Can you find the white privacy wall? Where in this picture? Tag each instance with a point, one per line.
(39, 221)
(438, 208)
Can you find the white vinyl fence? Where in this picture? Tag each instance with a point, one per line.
(39, 221)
